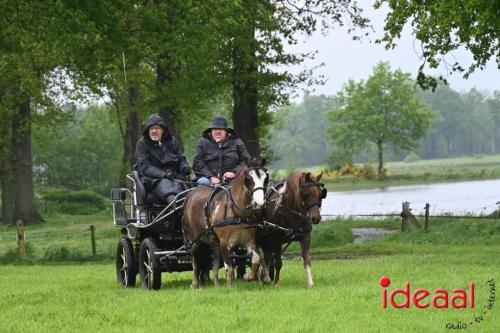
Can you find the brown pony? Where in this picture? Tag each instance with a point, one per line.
(219, 218)
(292, 208)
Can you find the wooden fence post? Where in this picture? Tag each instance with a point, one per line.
(92, 239)
(426, 216)
(20, 238)
(404, 217)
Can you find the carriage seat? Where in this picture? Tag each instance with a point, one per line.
(143, 197)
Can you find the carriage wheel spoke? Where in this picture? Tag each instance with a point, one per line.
(148, 264)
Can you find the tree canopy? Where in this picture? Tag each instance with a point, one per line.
(444, 26)
(383, 109)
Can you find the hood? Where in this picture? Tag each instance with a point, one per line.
(154, 119)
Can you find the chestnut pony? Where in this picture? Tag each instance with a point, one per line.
(292, 208)
(220, 218)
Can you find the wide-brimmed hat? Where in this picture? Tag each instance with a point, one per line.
(219, 122)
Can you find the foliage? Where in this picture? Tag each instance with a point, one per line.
(411, 157)
(366, 171)
(444, 26)
(384, 109)
(298, 136)
(85, 154)
(467, 123)
(75, 202)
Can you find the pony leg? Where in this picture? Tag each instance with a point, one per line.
(304, 244)
(264, 266)
(258, 260)
(227, 265)
(278, 263)
(195, 282)
(216, 264)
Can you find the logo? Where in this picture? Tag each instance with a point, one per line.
(422, 298)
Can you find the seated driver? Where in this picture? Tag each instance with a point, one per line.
(220, 153)
(160, 160)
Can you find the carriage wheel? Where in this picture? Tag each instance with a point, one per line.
(126, 268)
(149, 265)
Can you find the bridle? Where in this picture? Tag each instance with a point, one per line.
(304, 207)
(303, 194)
(255, 189)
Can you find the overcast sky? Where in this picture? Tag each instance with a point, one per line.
(346, 59)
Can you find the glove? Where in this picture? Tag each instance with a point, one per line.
(186, 170)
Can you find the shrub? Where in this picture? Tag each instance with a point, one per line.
(76, 202)
(411, 157)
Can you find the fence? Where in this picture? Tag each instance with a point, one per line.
(21, 236)
(408, 217)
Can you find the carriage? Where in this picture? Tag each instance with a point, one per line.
(152, 239)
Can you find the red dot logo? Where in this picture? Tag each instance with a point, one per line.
(384, 281)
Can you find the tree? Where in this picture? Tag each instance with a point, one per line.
(451, 122)
(444, 26)
(384, 109)
(298, 134)
(494, 104)
(257, 31)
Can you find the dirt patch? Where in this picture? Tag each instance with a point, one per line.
(367, 234)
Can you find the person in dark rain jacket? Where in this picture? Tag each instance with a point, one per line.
(160, 160)
(220, 153)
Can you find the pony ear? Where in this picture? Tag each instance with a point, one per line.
(318, 177)
(308, 177)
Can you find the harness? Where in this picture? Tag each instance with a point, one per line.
(252, 221)
(293, 233)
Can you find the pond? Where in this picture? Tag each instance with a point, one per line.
(476, 197)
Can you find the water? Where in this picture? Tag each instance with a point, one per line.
(476, 197)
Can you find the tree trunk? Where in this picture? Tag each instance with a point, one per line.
(166, 108)
(245, 92)
(380, 148)
(132, 133)
(7, 201)
(22, 168)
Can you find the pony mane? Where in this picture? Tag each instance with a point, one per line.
(293, 185)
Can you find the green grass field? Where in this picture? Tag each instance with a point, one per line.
(418, 172)
(78, 293)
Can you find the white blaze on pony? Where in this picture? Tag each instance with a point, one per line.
(259, 180)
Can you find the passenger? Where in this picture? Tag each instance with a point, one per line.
(160, 160)
(220, 153)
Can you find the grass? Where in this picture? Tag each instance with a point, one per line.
(78, 295)
(419, 172)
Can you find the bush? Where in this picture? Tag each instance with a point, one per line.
(366, 171)
(411, 157)
(76, 202)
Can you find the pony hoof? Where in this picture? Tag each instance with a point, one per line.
(248, 277)
(267, 280)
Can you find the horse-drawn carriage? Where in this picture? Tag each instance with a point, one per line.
(196, 230)
(152, 240)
